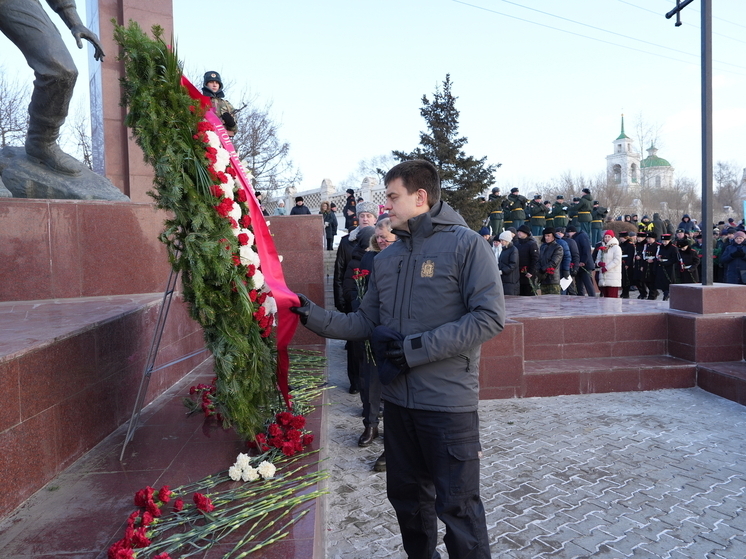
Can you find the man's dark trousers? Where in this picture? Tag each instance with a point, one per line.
(432, 471)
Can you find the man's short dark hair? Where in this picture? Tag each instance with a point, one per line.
(415, 175)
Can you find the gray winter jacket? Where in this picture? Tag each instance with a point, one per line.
(438, 286)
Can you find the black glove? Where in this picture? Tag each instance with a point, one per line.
(565, 273)
(388, 348)
(304, 309)
(395, 354)
(738, 253)
(228, 120)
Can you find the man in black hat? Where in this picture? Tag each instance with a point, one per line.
(669, 263)
(537, 212)
(495, 207)
(528, 258)
(213, 89)
(649, 259)
(516, 205)
(627, 245)
(559, 212)
(350, 211)
(300, 208)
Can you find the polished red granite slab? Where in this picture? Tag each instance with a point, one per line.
(83, 510)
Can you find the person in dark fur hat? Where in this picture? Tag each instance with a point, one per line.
(212, 88)
(550, 261)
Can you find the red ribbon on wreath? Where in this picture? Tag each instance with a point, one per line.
(287, 322)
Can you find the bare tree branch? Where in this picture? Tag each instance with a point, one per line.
(14, 99)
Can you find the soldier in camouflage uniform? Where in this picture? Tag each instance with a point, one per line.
(213, 88)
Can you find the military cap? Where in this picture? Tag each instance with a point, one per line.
(212, 77)
(513, 190)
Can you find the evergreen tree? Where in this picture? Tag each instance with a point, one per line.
(463, 178)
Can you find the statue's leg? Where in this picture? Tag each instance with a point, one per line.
(28, 26)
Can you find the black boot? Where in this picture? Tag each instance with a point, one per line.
(380, 465)
(370, 433)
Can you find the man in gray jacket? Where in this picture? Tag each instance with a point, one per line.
(433, 298)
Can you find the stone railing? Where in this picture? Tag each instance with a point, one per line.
(370, 190)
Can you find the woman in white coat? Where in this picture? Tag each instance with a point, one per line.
(609, 265)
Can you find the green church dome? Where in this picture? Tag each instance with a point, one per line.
(652, 160)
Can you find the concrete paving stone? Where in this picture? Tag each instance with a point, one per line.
(704, 549)
(614, 467)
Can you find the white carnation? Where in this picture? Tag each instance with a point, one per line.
(234, 472)
(270, 305)
(248, 256)
(227, 191)
(242, 461)
(230, 184)
(235, 212)
(222, 158)
(258, 279)
(250, 474)
(266, 470)
(212, 139)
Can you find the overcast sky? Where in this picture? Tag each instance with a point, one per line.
(541, 84)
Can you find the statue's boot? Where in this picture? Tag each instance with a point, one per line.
(42, 147)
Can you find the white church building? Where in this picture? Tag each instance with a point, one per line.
(626, 168)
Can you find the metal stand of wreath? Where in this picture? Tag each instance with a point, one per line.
(150, 367)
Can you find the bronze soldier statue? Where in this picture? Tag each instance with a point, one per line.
(28, 26)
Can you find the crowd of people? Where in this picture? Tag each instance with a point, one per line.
(578, 252)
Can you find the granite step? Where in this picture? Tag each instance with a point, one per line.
(71, 369)
(726, 379)
(607, 374)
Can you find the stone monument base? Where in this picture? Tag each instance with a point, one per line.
(24, 178)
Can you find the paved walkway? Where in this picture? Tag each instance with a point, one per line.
(639, 474)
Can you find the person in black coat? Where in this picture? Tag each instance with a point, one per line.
(689, 262)
(668, 264)
(586, 262)
(350, 211)
(528, 258)
(508, 264)
(627, 244)
(330, 224)
(734, 259)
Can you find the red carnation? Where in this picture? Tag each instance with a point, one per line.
(140, 538)
(307, 439)
(243, 239)
(231, 171)
(298, 422)
(165, 493)
(251, 271)
(204, 126)
(179, 505)
(162, 556)
(203, 503)
(241, 195)
(143, 496)
(245, 221)
(252, 294)
(216, 191)
(284, 418)
(236, 259)
(153, 509)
